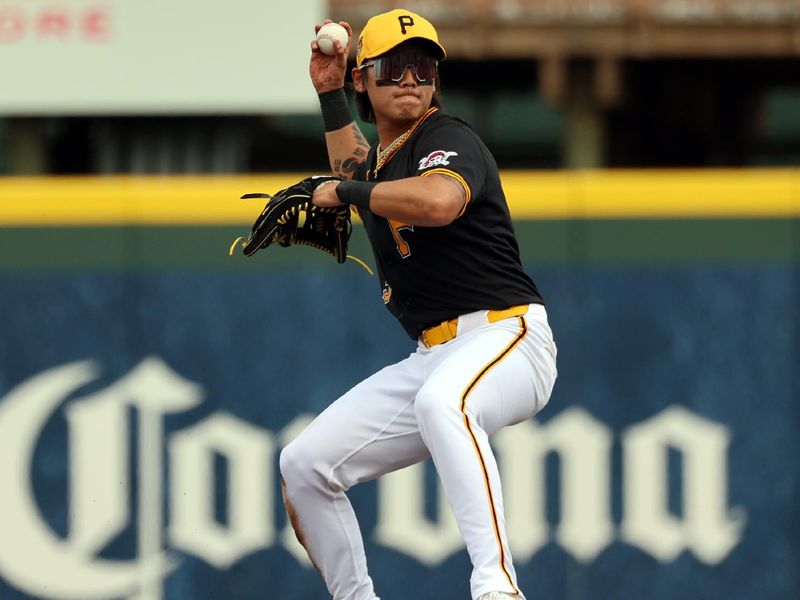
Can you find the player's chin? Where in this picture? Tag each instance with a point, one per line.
(409, 107)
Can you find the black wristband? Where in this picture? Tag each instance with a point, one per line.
(335, 110)
(357, 193)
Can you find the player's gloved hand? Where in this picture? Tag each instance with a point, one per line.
(291, 218)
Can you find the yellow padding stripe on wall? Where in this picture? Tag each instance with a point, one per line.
(214, 200)
(134, 200)
(653, 194)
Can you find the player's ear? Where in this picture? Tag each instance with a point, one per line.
(358, 80)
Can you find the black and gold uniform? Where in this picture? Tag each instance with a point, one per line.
(485, 357)
(432, 274)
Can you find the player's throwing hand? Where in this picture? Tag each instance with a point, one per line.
(328, 71)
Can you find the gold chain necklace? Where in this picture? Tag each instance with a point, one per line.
(383, 155)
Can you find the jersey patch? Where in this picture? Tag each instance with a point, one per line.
(436, 159)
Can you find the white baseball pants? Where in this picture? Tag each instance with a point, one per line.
(443, 402)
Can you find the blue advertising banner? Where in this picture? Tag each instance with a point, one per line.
(142, 413)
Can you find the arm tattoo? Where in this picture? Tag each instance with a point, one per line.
(350, 165)
(343, 167)
(360, 139)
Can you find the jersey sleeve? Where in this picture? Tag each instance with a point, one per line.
(452, 149)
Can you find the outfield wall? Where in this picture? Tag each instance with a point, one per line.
(148, 382)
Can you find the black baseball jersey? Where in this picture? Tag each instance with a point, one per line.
(433, 274)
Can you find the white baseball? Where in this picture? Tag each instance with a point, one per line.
(327, 34)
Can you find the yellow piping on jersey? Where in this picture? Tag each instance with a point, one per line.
(459, 179)
(495, 522)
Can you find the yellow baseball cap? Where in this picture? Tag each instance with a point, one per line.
(387, 30)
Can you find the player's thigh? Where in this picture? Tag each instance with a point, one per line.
(369, 431)
(500, 374)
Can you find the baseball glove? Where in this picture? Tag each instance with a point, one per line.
(290, 218)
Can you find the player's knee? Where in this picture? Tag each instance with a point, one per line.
(296, 463)
(289, 463)
(300, 465)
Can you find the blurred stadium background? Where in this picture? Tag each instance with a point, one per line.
(651, 157)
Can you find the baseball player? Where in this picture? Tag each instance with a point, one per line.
(430, 197)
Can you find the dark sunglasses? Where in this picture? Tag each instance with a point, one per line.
(390, 70)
